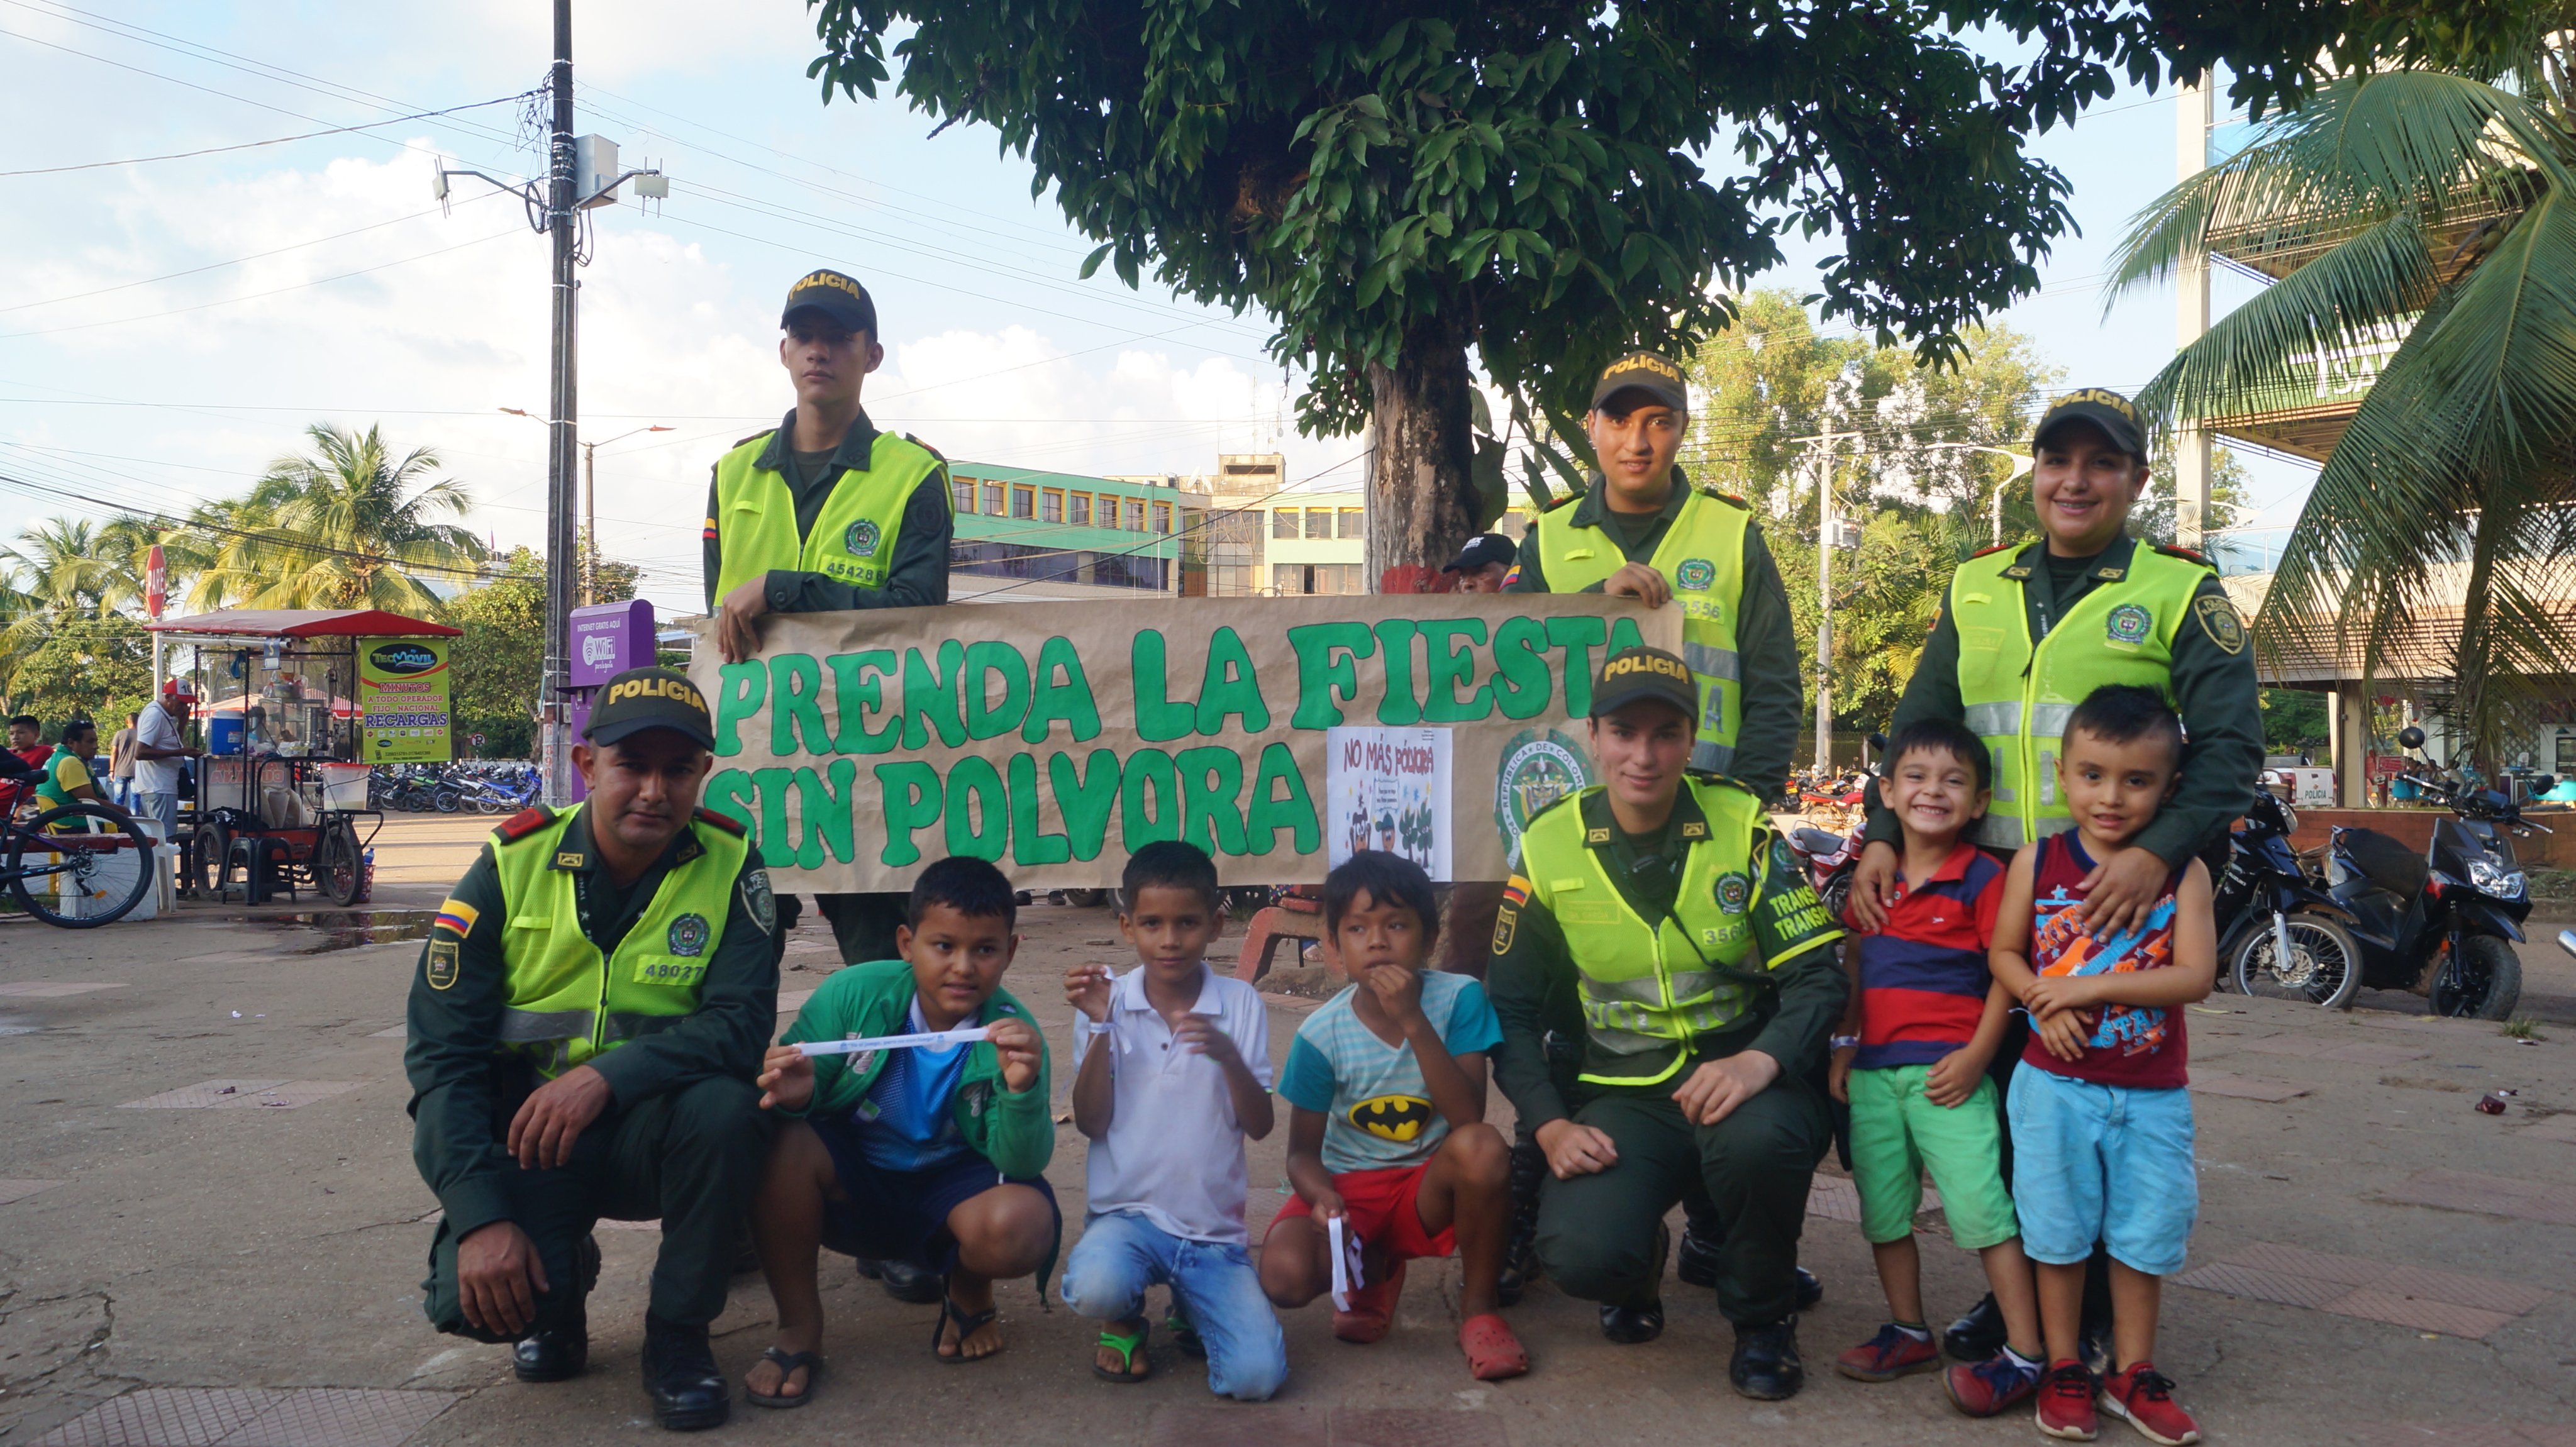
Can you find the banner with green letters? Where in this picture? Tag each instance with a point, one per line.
(1056, 738)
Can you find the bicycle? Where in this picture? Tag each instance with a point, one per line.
(101, 869)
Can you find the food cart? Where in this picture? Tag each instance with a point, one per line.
(302, 704)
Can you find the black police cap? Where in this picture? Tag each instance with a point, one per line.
(834, 295)
(650, 698)
(1634, 674)
(2115, 415)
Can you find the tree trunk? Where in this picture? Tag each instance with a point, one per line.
(1421, 494)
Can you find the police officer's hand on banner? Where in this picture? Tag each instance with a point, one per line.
(1714, 1090)
(1641, 582)
(1873, 886)
(737, 637)
(2121, 889)
(1576, 1150)
(497, 1278)
(555, 1115)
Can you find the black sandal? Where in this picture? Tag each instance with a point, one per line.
(968, 1323)
(788, 1365)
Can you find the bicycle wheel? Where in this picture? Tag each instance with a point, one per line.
(94, 870)
(336, 869)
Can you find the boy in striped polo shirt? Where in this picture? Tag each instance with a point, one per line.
(1925, 1018)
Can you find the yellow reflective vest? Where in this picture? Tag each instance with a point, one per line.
(567, 1003)
(1702, 556)
(2018, 691)
(853, 537)
(1649, 987)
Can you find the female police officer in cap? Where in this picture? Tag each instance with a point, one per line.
(1702, 961)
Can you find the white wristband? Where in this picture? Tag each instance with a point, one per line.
(1086, 1029)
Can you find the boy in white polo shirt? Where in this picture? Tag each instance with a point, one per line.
(1173, 1072)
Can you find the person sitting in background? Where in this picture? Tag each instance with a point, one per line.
(24, 731)
(67, 778)
(1482, 565)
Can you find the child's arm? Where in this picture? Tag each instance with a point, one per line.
(1206, 1035)
(2009, 956)
(1456, 1082)
(1306, 1171)
(1838, 1075)
(1095, 1088)
(2193, 971)
(1953, 1077)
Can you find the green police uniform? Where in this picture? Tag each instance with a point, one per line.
(2024, 636)
(1735, 613)
(540, 963)
(868, 526)
(1683, 947)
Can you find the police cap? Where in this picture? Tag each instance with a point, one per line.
(1652, 373)
(834, 295)
(650, 698)
(1633, 674)
(2115, 415)
(1484, 550)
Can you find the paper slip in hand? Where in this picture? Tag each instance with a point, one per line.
(934, 1039)
(1346, 1263)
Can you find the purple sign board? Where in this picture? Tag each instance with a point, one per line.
(607, 640)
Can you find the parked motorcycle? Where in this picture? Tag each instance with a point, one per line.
(2279, 935)
(2443, 923)
(1831, 858)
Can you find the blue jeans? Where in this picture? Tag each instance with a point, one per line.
(1214, 1286)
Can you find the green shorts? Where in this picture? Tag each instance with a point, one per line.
(1896, 1135)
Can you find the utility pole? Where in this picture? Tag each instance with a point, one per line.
(2191, 319)
(562, 425)
(1826, 539)
(590, 508)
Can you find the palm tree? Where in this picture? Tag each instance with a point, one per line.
(2438, 207)
(349, 526)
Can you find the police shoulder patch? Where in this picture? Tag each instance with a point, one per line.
(439, 965)
(758, 902)
(725, 822)
(2220, 620)
(524, 823)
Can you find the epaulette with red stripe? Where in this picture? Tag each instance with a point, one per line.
(524, 823)
(1997, 548)
(755, 437)
(1732, 498)
(725, 822)
(926, 447)
(1576, 496)
(2186, 554)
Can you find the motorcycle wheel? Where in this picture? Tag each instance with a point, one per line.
(447, 801)
(2324, 966)
(2489, 984)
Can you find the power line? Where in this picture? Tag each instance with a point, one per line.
(256, 295)
(255, 145)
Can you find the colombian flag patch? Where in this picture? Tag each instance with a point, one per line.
(458, 916)
(710, 534)
(1516, 893)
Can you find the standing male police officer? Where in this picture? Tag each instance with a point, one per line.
(590, 1011)
(1707, 984)
(1642, 531)
(2026, 631)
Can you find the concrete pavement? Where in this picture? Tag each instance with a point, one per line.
(242, 1267)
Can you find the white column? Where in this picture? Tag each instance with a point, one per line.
(2191, 318)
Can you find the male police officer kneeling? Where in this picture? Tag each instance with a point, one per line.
(589, 1015)
(1708, 985)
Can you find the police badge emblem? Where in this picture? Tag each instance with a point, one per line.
(440, 965)
(1695, 574)
(1734, 892)
(2130, 623)
(861, 540)
(688, 936)
(758, 902)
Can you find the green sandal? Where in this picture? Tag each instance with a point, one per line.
(1131, 1353)
(1184, 1335)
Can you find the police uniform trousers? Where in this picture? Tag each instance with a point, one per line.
(691, 1157)
(1597, 1233)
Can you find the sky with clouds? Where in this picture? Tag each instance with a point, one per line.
(168, 327)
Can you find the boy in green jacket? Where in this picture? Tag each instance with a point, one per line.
(935, 1156)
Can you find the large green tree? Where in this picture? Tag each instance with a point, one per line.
(349, 525)
(2438, 207)
(1409, 185)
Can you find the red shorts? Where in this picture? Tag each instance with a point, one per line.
(1383, 1208)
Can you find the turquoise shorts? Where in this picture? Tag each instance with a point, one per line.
(2103, 1163)
(1897, 1135)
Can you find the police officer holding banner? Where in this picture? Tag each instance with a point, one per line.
(2025, 632)
(1704, 969)
(589, 1014)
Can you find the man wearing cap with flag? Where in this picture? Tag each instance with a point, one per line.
(589, 1013)
(2027, 630)
(1704, 968)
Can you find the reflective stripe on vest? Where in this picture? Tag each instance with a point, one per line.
(1702, 556)
(567, 1004)
(853, 537)
(1650, 987)
(2018, 696)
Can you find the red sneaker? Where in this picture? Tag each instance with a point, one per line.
(2066, 1402)
(1893, 1353)
(1991, 1387)
(2144, 1396)
(1372, 1308)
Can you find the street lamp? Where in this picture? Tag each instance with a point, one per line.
(590, 506)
